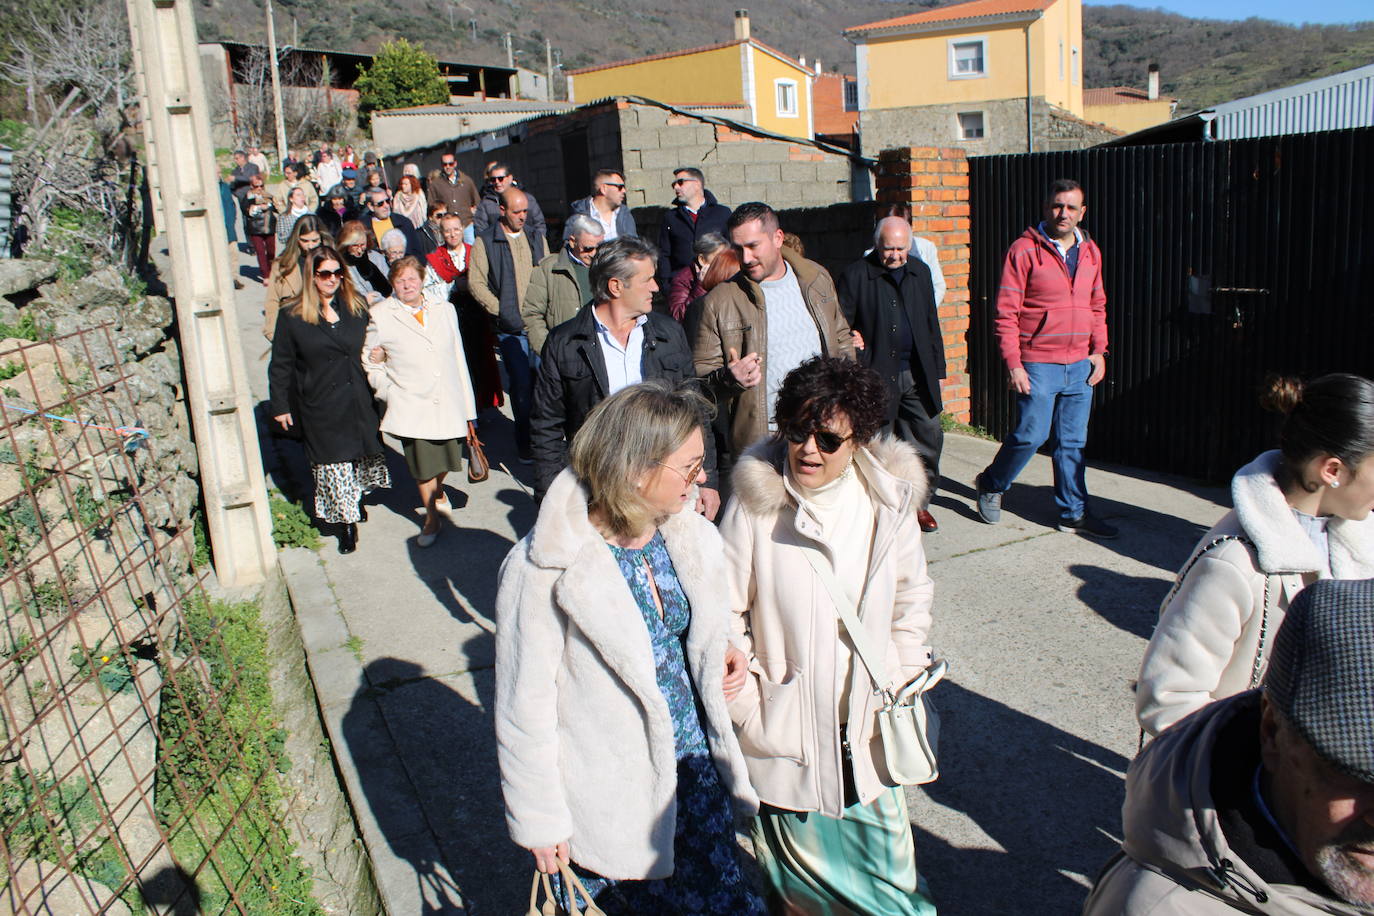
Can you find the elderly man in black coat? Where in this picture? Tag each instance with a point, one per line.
(889, 300)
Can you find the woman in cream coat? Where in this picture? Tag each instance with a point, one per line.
(612, 634)
(415, 363)
(1301, 513)
(834, 835)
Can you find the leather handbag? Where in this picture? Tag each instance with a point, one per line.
(907, 721)
(478, 468)
(572, 884)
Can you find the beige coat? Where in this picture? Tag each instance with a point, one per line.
(733, 316)
(281, 195)
(584, 737)
(787, 716)
(424, 379)
(281, 288)
(1205, 645)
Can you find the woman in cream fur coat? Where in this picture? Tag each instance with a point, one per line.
(612, 634)
(1301, 513)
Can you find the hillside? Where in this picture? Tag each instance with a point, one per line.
(1202, 61)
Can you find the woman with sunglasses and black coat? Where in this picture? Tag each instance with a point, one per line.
(833, 833)
(317, 383)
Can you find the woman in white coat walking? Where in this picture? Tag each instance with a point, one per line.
(827, 499)
(1301, 513)
(612, 632)
(415, 363)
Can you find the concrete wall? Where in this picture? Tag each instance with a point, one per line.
(1004, 128)
(396, 131)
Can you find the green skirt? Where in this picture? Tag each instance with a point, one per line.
(428, 458)
(863, 864)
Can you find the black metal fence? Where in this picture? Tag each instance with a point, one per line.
(1223, 263)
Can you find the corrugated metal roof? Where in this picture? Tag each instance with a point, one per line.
(957, 12)
(492, 106)
(1337, 102)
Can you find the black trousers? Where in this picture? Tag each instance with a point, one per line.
(918, 422)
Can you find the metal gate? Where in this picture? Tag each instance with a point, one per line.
(1223, 263)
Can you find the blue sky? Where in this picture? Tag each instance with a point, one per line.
(1324, 11)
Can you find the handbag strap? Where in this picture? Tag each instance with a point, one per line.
(849, 617)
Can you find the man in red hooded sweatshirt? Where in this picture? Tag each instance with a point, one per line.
(1052, 331)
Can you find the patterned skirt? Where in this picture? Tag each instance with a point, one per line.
(862, 864)
(339, 487)
(706, 879)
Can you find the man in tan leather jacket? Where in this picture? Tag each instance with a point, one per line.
(778, 311)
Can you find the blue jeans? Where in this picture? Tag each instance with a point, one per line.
(519, 363)
(1061, 399)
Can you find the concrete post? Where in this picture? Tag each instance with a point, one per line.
(934, 182)
(176, 124)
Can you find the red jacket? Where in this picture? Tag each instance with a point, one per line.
(1042, 315)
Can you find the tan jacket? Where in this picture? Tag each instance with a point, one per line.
(281, 288)
(733, 316)
(787, 716)
(281, 190)
(584, 737)
(554, 297)
(424, 378)
(1208, 636)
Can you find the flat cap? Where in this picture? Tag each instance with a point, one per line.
(350, 173)
(1321, 672)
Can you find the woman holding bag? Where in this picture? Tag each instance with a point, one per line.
(414, 361)
(814, 504)
(612, 636)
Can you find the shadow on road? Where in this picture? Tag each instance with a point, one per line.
(1128, 602)
(1049, 799)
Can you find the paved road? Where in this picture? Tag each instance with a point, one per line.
(1043, 630)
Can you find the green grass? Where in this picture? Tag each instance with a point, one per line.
(10, 370)
(354, 644)
(291, 525)
(27, 328)
(951, 425)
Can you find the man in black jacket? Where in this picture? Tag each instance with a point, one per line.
(694, 214)
(889, 300)
(380, 218)
(616, 340)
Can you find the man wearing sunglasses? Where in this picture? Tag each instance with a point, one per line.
(694, 213)
(501, 179)
(454, 188)
(619, 341)
(606, 205)
(561, 284)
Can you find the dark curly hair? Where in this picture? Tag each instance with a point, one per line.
(825, 384)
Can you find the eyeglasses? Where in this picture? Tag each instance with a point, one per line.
(692, 473)
(329, 274)
(448, 164)
(499, 177)
(611, 184)
(826, 441)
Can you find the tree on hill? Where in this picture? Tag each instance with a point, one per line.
(401, 75)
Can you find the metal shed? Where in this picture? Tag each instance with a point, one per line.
(1337, 102)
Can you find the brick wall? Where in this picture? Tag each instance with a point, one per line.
(934, 181)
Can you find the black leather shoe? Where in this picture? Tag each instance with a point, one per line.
(348, 539)
(362, 511)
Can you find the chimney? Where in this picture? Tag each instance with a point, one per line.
(802, 60)
(819, 68)
(741, 25)
(1153, 82)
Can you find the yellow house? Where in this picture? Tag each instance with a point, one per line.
(773, 87)
(1127, 108)
(984, 72)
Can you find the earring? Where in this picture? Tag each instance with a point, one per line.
(1335, 484)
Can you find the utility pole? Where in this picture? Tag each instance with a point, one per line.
(177, 124)
(548, 66)
(276, 86)
(510, 53)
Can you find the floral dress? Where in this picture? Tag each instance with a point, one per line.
(707, 878)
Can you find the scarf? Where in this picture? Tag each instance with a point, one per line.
(443, 265)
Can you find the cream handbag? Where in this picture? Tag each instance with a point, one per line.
(907, 721)
(550, 907)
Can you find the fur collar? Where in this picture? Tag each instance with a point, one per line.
(893, 470)
(1281, 544)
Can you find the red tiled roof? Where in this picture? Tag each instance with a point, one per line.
(973, 9)
(1120, 95)
(667, 54)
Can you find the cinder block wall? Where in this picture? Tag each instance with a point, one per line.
(934, 181)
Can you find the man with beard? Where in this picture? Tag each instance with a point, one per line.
(1262, 802)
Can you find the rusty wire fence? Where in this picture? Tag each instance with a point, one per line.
(139, 757)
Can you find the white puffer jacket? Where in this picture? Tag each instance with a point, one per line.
(1209, 632)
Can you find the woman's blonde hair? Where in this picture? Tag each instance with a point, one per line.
(307, 305)
(626, 435)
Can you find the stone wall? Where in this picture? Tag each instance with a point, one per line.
(1004, 128)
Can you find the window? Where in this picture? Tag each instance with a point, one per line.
(970, 125)
(968, 59)
(851, 95)
(1061, 58)
(1075, 72)
(785, 92)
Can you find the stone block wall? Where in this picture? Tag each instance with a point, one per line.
(934, 181)
(1004, 128)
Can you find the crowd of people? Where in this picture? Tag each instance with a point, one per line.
(725, 593)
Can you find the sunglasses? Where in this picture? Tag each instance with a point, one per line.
(692, 473)
(611, 184)
(329, 274)
(826, 441)
(499, 177)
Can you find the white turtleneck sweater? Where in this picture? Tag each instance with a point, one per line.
(845, 514)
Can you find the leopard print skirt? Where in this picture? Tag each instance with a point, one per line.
(339, 487)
